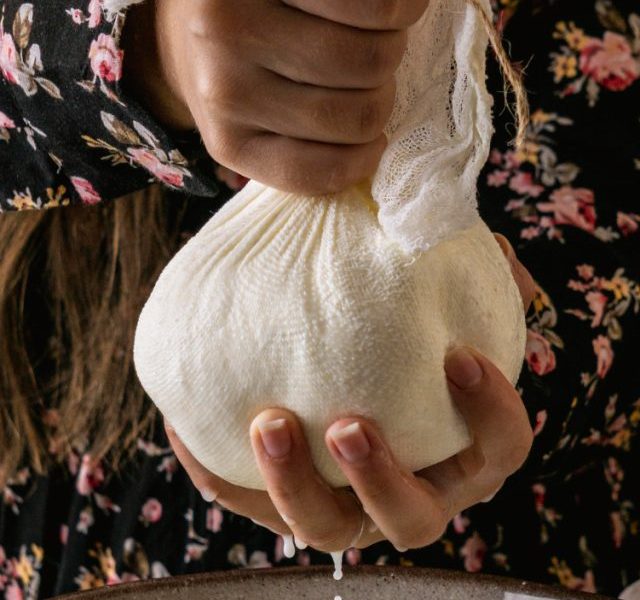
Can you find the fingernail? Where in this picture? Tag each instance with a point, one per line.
(276, 438)
(351, 442)
(300, 545)
(462, 368)
(208, 495)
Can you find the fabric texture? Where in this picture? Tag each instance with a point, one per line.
(440, 129)
(568, 203)
(306, 303)
(69, 133)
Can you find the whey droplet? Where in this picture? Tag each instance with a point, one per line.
(337, 564)
(289, 547)
(300, 545)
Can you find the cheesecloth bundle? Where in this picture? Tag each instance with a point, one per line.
(346, 304)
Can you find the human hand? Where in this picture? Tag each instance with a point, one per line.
(292, 93)
(411, 510)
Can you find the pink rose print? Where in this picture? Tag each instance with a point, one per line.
(85, 521)
(497, 178)
(572, 206)
(609, 62)
(85, 190)
(194, 551)
(617, 529)
(539, 495)
(64, 534)
(522, 183)
(473, 552)
(105, 503)
(460, 523)
(76, 15)
(214, 519)
(95, 13)
(13, 592)
(604, 353)
(539, 354)
(8, 58)
(597, 302)
(627, 223)
(151, 511)
(353, 557)
(495, 158)
(541, 421)
(168, 174)
(90, 477)
(585, 271)
(106, 58)
(6, 122)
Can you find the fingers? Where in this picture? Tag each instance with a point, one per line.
(523, 278)
(315, 51)
(254, 504)
(294, 165)
(317, 515)
(409, 511)
(374, 14)
(318, 114)
(499, 424)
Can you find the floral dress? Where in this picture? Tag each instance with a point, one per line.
(568, 200)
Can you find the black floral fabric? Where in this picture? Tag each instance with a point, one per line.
(68, 133)
(568, 201)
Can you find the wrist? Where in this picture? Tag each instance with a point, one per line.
(146, 74)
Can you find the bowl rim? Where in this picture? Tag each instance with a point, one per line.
(199, 580)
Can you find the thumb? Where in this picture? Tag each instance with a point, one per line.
(491, 407)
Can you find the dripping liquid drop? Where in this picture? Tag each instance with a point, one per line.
(289, 548)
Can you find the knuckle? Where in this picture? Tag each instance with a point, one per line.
(470, 462)
(220, 143)
(424, 535)
(373, 60)
(204, 87)
(199, 26)
(218, 94)
(385, 12)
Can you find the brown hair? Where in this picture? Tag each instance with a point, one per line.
(72, 283)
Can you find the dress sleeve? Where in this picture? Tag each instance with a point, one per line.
(68, 132)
